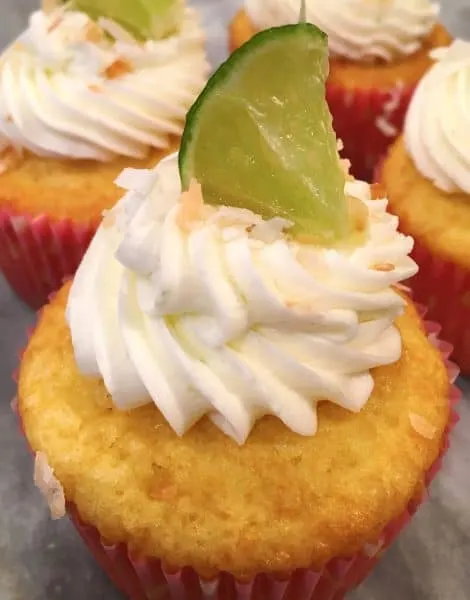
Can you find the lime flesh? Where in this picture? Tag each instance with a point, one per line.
(144, 19)
(260, 135)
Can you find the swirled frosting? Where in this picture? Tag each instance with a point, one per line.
(213, 311)
(70, 90)
(357, 29)
(437, 126)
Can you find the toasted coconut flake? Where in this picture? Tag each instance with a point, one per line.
(49, 6)
(345, 165)
(49, 486)
(422, 426)
(118, 68)
(270, 231)
(56, 21)
(377, 191)
(109, 219)
(137, 180)
(385, 126)
(95, 88)
(92, 32)
(116, 31)
(229, 216)
(372, 550)
(191, 206)
(359, 213)
(385, 267)
(10, 158)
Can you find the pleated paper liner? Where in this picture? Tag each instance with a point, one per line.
(444, 288)
(150, 579)
(367, 121)
(38, 253)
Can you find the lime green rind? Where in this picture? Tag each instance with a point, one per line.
(260, 135)
(143, 19)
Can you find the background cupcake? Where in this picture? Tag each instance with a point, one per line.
(378, 53)
(79, 100)
(427, 176)
(205, 348)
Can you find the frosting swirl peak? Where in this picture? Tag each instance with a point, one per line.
(437, 126)
(214, 311)
(70, 88)
(356, 29)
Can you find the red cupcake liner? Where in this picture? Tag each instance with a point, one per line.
(444, 287)
(38, 253)
(150, 579)
(367, 121)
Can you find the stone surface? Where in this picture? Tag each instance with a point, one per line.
(42, 560)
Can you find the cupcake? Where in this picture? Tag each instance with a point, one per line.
(80, 99)
(378, 53)
(232, 398)
(427, 176)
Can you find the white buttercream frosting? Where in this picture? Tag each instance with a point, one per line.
(357, 29)
(68, 89)
(437, 126)
(229, 317)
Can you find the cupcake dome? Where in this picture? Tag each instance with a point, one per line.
(79, 100)
(427, 178)
(155, 419)
(378, 53)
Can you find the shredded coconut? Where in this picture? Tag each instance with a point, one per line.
(230, 216)
(137, 180)
(387, 128)
(372, 550)
(359, 213)
(118, 68)
(109, 219)
(191, 206)
(383, 122)
(422, 426)
(269, 231)
(385, 267)
(49, 486)
(49, 6)
(116, 31)
(92, 32)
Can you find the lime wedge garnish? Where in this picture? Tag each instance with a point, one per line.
(260, 135)
(144, 19)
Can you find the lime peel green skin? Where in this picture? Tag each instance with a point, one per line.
(260, 135)
(143, 19)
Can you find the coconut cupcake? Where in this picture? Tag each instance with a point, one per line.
(378, 53)
(229, 402)
(427, 175)
(80, 99)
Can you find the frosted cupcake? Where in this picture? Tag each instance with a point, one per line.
(427, 175)
(378, 53)
(80, 99)
(232, 398)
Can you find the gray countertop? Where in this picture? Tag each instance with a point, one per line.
(45, 560)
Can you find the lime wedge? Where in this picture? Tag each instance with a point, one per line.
(260, 135)
(144, 19)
